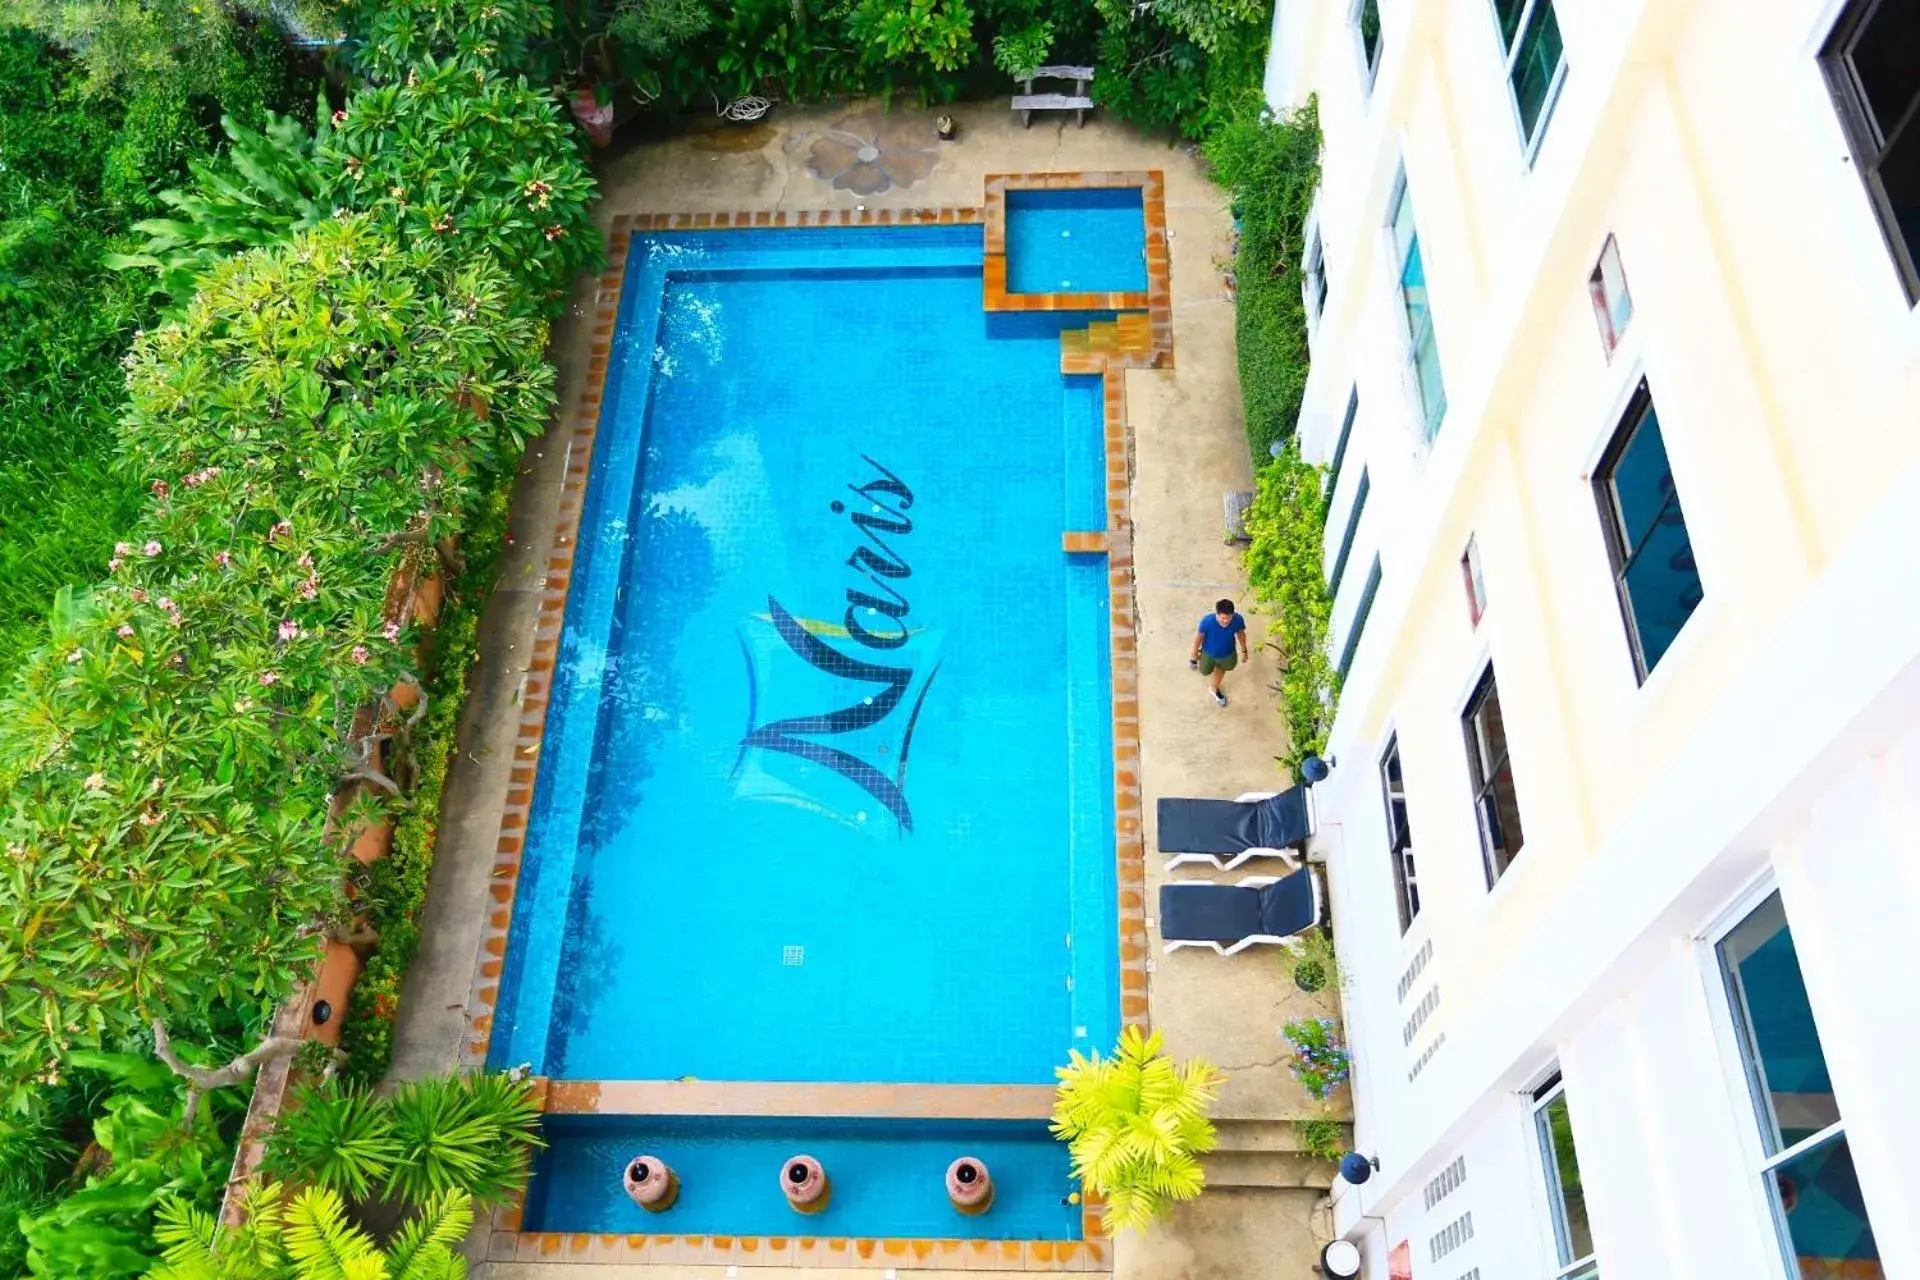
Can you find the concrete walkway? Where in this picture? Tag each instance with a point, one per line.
(1188, 449)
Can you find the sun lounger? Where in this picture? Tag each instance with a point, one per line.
(1232, 917)
(1223, 834)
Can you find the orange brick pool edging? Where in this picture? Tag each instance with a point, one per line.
(1150, 348)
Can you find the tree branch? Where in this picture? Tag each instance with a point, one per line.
(202, 1080)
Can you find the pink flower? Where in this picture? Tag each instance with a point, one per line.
(391, 631)
(125, 632)
(554, 231)
(166, 602)
(360, 655)
(113, 565)
(223, 558)
(340, 117)
(305, 561)
(123, 548)
(310, 588)
(152, 549)
(269, 677)
(96, 781)
(289, 629)
(280, 527)
(161, 489)
(138, 595)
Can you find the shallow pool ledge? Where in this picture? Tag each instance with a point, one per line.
(786, 1098)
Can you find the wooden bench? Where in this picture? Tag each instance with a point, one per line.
(1028, 102)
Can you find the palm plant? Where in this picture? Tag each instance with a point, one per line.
(465, 1133)
(337, 1138)
(1136, 1125)
(310, 1239)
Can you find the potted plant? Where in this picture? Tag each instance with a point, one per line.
(1320, 1062)
(1136, 1125)
(1315, 964)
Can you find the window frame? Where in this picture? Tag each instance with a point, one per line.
(1357, 628)
(1475, 577)
(1610, 338)
(1867, 142)
(1529, 146)
(1431, 416)
(1340, 445)
(1626, 429)
(1355, 510)
(1746, 1077)
(1313, 276)
(1540, 1097)
(1406, 879)
(1369, 65)
(1482, 775)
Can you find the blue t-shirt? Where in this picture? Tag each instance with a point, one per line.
(1216, 641)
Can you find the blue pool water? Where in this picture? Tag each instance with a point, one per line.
(891, 1171)
(1088, 240)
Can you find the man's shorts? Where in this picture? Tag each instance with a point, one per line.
(1210, 664)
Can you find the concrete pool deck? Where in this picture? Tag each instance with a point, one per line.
(1187, 448)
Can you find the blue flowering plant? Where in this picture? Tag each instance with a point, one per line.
(1320, 1061)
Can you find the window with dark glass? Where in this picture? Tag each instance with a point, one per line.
(1313, 285)
(1406, 886)
(1339, 568)
(1536, 62)
(1476, 582)
(1873, 71)
(1366, 23)
(1654, 571)
(1340, 446)
(1495, 802)
(1423, 351)
(1612, 304)
(1566, 1195)
(1805, 1165)
(1358, 627)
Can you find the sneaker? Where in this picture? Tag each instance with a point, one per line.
(1219, 698)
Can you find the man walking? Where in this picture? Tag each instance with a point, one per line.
(1213, 646)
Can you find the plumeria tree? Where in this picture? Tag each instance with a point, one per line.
(318, 421)
(1136, 1124)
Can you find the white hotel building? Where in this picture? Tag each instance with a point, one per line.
(1616, 366)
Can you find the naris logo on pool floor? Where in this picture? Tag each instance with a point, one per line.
(864, 681)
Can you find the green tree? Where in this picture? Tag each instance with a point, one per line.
(1286, 527)
(154, 41)
(1136, 1125)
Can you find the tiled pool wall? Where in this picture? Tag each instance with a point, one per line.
(509, 1240)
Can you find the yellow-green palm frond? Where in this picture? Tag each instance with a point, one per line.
(427, 1247)
(324, 1245)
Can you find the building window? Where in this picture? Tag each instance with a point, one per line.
(1536, 62)
(1653, 566)
(1346, 539)
(1566, 1196)
(1366, 24)
(1340, 446)
(1494, 799)
(1313, 284)
(1476, 583)
(1423, 351)
(1358, 628)
(1875, 80)
(1612, 304)
(1406, 887)
(1806, 1167)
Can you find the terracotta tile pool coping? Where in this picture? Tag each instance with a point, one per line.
(577, 431)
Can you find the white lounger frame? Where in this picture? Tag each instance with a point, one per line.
(1290, 941)
(1219, 862)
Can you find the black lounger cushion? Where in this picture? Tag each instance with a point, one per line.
(1196, 911)
(1286, 906)
(1229, 826)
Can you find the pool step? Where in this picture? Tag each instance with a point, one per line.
(1084, 350)
(1253, 1136)
(1267, 1170)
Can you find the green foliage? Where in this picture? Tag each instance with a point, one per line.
(1020, 52)
(143, 43)
(397, 36)
(1319, 1059)
(899, 35)
(467, 1134)
(1321, 1137)
(266, 186)
(393, 891)
(1271, 169)
(1316, 954)
(170, 764)
(1136, 1125)
(311, 1238)
(1186, 67)
(1287, 525)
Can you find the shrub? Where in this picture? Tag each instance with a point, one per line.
(1271, 168)
(338, 1137)
(1286, 525)
(1319, 1059)
(326, 410)
(309, 1238)
(1136, 1124)
(1321, 1137)
(156, 42)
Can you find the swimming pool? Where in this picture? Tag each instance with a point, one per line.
(825, 792)
(1076, 240)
